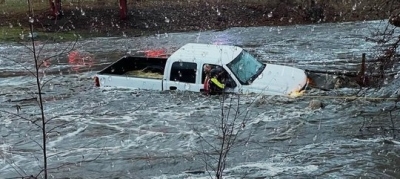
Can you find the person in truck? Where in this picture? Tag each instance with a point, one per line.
(214, 81)
(206, 82)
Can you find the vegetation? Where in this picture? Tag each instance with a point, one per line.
(231, 125)
(45, 126)
(22, 35)
(91, 18)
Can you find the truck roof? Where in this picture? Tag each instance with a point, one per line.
(207, 53)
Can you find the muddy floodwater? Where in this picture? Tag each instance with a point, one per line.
(121, 133)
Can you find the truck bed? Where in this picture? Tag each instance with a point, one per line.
(137, 66)
(144, 74)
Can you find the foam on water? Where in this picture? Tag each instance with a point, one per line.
(389, 140)
(272, 169)
(53, 142)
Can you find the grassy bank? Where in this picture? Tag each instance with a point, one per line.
(18, 35)
(91, 18)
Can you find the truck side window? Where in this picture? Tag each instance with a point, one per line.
(183, 72)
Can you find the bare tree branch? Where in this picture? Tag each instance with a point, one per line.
(56, 127)
(18, 63)
(21, 117)
(73, 163)
(65, 50)
(16, 168)
(52, 78)
(37, 143)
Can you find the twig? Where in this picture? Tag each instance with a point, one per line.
(21, 117)
(15, 169)
(18, 63)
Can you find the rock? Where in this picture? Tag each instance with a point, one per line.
(34, 35)
(260, 101)
(315, 104)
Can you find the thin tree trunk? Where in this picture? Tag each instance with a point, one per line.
(31, 21)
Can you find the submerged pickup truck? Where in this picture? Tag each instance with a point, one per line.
(183, 70)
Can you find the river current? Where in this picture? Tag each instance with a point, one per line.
(121, 133)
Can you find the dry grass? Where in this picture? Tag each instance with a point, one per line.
(343, 6)
(142, 74)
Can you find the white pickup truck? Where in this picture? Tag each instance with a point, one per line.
(183, 70)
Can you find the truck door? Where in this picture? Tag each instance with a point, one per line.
(225, 76)
(182, 77)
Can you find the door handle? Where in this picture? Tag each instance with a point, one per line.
(172, 88)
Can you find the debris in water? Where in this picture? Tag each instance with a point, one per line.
(315, 104)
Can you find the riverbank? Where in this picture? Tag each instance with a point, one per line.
(151, 17)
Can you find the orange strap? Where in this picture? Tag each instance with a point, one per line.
(206, 84)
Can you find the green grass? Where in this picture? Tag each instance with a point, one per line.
(17, 34)
(10, 34)
(19, 6)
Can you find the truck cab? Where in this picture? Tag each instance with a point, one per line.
(245, 73)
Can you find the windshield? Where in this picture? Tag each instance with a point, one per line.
(246, 68)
